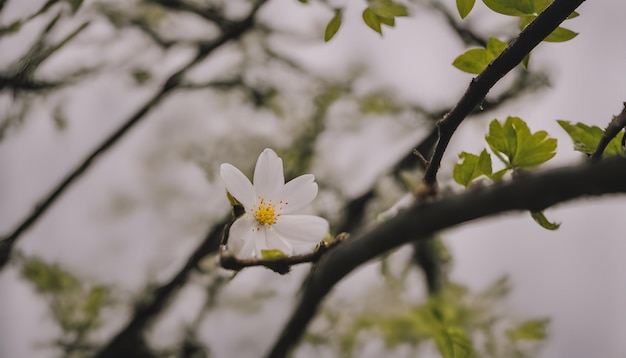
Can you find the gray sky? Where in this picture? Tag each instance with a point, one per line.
(575, 275)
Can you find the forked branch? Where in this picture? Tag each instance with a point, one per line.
(478, 88)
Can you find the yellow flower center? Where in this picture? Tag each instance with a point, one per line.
(266, 213)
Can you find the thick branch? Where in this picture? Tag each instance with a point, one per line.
(172, 82)
(534, 192)
(530, 37)
(615, 126)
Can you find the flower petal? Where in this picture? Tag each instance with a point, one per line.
(298, 193)
(302, 228)
(237, 185)
(242, 236)
(268, 175)
(274, 241)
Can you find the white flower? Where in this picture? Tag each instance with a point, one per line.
(269, 222)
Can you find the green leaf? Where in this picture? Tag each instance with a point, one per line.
(533, 330)
(372, 20)
(574, 14)
(389, 9)
(497, 176)
(464, 7)
(511, 7)
(516, 146)
(453, 342)
(541, 219)
(525, 62)
(560, 34)
(586, 138)
(272, 254)
(333, 25)
(472, 61)
(540, 5)
(477, 59)
(495, 47)
(471, 167)
(389, 21)
(383, 12)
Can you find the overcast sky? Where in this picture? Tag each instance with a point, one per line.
(576, 275)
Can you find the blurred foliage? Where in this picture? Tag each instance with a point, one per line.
(75, 306)
(459, 322)
(22, 79)
(378, 103)
(299, 156)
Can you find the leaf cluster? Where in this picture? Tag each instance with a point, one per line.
(459, 322)
(476, 60)
(516, 147)
(376, 14)
(513, 144)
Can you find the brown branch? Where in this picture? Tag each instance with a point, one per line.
(281, 265)
(615, 126)
(204, 49)
(528, 39)
(534, 192)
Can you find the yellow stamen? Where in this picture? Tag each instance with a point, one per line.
(266, 213)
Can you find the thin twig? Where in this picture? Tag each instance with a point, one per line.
(281, 265)
(615, 126)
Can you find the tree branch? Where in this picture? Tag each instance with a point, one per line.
(206, 13)
(281, 265)
(534, 192)
(528, 39)
(129, 342)
(204, 49)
